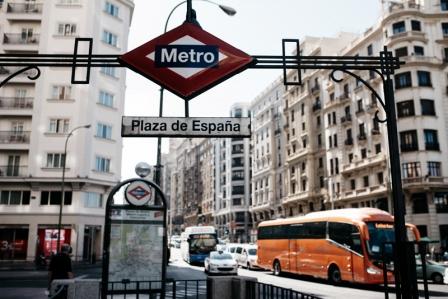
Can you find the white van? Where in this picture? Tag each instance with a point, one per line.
(246, 256)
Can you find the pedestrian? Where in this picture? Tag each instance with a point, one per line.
(60, 265)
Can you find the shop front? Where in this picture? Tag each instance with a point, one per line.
(48, 239)
(13, 242)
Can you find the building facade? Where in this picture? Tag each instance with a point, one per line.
(268, 155)
(36, 117)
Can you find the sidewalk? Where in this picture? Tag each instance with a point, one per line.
(30, 266)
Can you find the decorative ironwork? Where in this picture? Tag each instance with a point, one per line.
(20, 71)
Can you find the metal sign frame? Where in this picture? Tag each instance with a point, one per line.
(107, 231)
(384, 66)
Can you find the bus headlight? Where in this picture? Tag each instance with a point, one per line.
(374, 271)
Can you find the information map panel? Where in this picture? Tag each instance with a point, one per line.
(136, 250)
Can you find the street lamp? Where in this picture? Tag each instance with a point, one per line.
(63, 183)
(230, 12)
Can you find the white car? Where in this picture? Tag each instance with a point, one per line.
(248, 257)
(219, 262)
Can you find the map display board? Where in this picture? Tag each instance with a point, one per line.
(136, 245)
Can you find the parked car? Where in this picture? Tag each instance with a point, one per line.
(436, 272)
(248, 257)
(220, 262)
(175, 241)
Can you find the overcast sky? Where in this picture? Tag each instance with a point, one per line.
(257, 29)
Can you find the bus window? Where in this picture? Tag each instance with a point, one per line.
(379, 234)
(345, 234)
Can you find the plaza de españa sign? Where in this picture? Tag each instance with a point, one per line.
(186, 60)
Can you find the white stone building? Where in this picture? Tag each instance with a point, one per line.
(268, 154)
(35, 117)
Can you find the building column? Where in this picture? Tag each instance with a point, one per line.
(77, 241)
(32, 242)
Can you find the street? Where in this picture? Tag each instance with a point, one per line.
(27, 284)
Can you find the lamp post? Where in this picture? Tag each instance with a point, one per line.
(63, 183)
(229, 11)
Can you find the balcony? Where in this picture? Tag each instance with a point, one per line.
(348, 141)
(315, 89)
(425, 181)
(434, 146)
(376, 131)
(24, 11)
(344, 97)
(365, 192)
(372, 106)
(13, 171)
(13, 137)
(362, 137)
(410, 147)
(15, 105)
(363, 163)
(360, 110)
(316, 106)
(20, 42)
(346, 119)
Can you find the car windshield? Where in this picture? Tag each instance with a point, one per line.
(222, 256)
(202, 243)
(380, 233)
(252, 251)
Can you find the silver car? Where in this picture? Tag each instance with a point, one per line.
(219, 262)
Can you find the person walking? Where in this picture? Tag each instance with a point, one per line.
(60, 266)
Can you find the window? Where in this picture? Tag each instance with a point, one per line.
(398, 27)
(419, 203)
(427, 107)
(93, 200)
(69, 2)
(416, 25)
(292, 115)
(60, 92)
(55, 197)
(409, 141)
(237, 190)
(411, 170)
(363, 153)
(444, 4)
(352, 184)
(380, 177)
(434, 168)
(346, 235)
(441, 202)
(66, 29)
(424, 78)
(377, 148)
(369, 50)
(366, 181)
(14, 197)
(55, 160)
(431, 140)
(321, 162)
(103, 131)
(102, 164)
(445, 29)
(111, 9)
(401, 52)
(106, 99)
(110, 38)
(58, 125)
(239, 112)
(403, 80)
(419, 51)
(360, 107)
(405, 108)
(108, 71)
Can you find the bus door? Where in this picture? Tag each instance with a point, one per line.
(357, 255)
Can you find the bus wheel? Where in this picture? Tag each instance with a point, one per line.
(277, 268)
(334, 275)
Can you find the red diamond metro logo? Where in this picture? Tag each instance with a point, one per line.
(138, 192)
(186, 60)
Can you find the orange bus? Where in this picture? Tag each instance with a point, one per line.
(338, 245)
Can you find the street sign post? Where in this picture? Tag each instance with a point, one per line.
(185, 127)
(186, 60)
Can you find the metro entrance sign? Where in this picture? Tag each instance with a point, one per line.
(186, 60)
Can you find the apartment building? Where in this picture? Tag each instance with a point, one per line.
(268, 154)
(339, 118)
(36, 117)
(233, 183)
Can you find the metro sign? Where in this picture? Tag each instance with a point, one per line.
(186, 60)
(138, 192)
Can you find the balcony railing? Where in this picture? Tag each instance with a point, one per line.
(315, 88)
(20, 39)
(409, 147)
(349, 141)
(434, 146)
(343, 97)
(16, 103)
(375, 131)
(316, 106)
(31, 8)
(346, 118)
(13, 171)
(362, 136)
(7, 137)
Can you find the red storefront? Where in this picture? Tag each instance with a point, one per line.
(48, 239)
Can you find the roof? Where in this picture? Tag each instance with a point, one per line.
(356, 215)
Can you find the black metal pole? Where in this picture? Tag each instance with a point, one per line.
(189, 11)
(187, 110)
(403, 272)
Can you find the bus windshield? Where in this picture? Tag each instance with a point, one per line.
(380, 233)
(202, 243)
